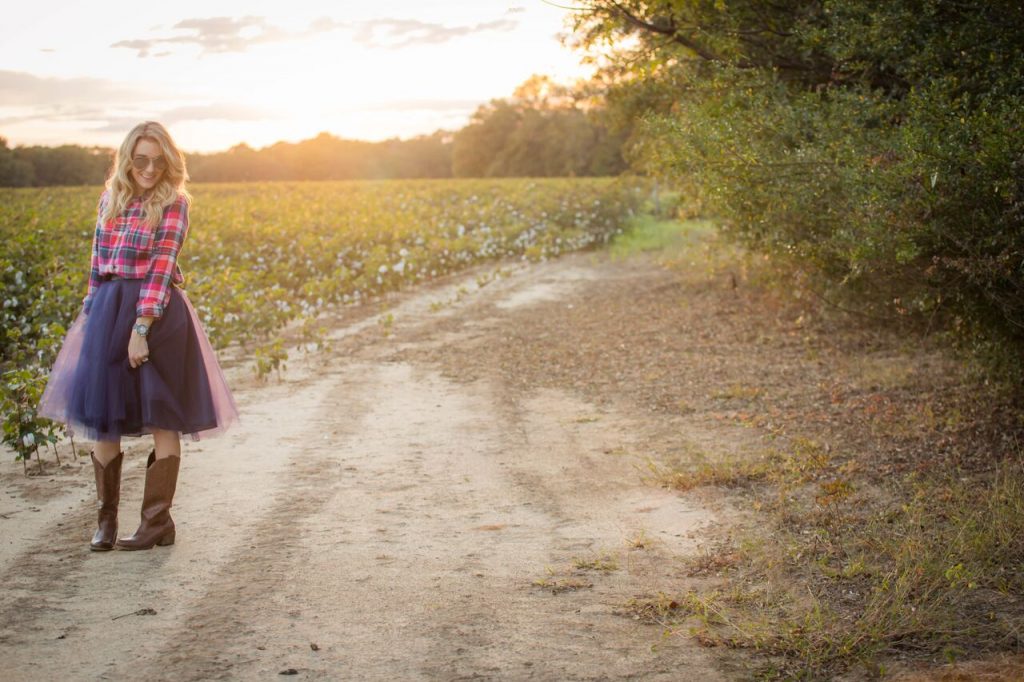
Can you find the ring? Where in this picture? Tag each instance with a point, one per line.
(145, 359)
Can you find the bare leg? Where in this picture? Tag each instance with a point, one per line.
(106, 450)
(166, 443)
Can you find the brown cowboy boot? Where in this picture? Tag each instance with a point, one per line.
(108, 490)
(156, 528)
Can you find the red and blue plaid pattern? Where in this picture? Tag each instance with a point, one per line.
(128, 248)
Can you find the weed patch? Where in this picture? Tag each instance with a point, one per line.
(648, 233)
(888, 504)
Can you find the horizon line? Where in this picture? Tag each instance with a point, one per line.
(240, 143)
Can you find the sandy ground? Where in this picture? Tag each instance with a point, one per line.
(379, 515)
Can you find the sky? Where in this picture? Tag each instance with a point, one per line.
(222, 73)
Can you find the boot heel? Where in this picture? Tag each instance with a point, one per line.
(166, 540)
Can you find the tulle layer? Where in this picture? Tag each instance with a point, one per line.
(94, 390)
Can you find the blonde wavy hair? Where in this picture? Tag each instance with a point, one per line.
(121, 187)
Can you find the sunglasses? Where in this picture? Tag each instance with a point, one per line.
(141, 162)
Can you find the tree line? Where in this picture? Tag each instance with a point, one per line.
(542, 130)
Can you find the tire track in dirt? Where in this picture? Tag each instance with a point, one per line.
(59, 593)
(406, 548)
(246, 588)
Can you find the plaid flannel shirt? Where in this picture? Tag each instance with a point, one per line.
(128, 248)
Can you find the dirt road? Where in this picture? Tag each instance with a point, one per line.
(393, 508)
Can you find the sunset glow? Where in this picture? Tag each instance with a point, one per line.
(224, 73)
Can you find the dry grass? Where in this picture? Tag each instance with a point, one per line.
(871, 560)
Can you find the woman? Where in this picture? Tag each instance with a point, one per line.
(136, 360)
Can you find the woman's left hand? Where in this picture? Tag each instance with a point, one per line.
(138, 350)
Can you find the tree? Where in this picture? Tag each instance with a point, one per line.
(877, 146)
(14, 172)
(544, 129)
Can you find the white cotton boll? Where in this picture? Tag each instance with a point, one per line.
(29, 439)
(403, 252)
(382, 269)
(399, 267)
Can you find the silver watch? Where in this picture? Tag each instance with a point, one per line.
(141, 329)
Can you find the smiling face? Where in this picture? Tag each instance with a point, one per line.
(149, 152)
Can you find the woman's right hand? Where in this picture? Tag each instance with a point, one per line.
(138, 350)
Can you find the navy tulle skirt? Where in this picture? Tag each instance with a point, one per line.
(94, 390)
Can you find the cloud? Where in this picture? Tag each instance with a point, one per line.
(442, 105)
(29, 98)
(220, 111)
(18, 88)
(212, 35)
(230, 34)
(399, 33)
(52, 114)
(143, 46)
(227, 34)
(119, 124)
